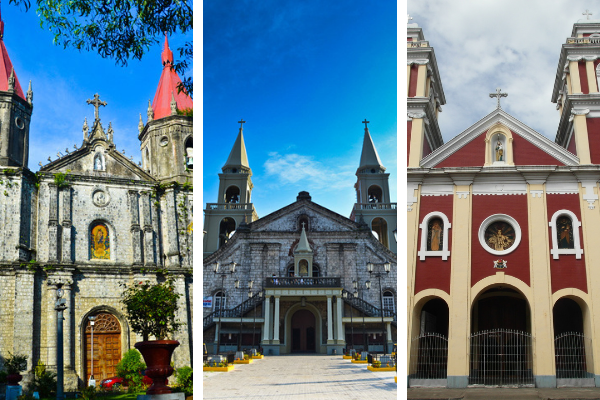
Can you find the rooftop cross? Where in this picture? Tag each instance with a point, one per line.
(498, 94)
(408, 18)
(587, 13)
(241, 122)
(366, 122)
(97, 103)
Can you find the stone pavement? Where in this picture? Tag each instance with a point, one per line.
(505, 393)
(300, 377)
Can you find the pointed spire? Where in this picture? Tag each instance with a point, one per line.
(11, 80)
(30, 95)
(141, 124)
(369, 156)
(110, 132)
(167, 54)
(1, 26)
(238, 157)
(150, 111)
(173, 104)
(86, 129)
(8, 77)
(303, 245)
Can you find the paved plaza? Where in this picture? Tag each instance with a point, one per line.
(300, 377)
(504, 394)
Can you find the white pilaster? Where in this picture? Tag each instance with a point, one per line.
(338, 325)
(329, 321)
(276, 322)
(267, 323)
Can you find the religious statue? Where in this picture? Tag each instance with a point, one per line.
(100, 246)
(499, 151)
(98, 164)
(565, 234)
(499, 241)
(436, 234)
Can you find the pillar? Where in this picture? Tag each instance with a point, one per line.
(276, 321)
(267, 323)
(581, 135)
(338, 325)
(329, 321)
(591, 77)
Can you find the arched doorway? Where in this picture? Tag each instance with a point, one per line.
(303, 332)
(107, 346)
(501, 342)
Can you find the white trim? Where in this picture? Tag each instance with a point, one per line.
(444, 253)
(494, 218)
(577, 250)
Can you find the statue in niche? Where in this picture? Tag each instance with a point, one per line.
(98, 163)
(565, 233)
(435, 235)
(499, 151)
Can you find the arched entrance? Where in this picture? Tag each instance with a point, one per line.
(303, 332)
(107, 346)
(501, 342)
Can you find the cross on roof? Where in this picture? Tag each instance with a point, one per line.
(408, 18)
(366, 122)
(498, 94)
(97, 103)
(241, 122)
(587, 13)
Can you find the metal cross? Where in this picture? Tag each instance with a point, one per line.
(97, 103)
(241, 122)
(408, 18)
(366, 122)
(587, 13)
(498, 94)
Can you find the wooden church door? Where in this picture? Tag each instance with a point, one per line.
(107, 347)
(303, 331)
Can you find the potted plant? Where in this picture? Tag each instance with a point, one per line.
(14, 364)
(151, 311)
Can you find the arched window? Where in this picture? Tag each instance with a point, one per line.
(316, 272)
(218, 298)
(99, 242)
(388, 301)
(375, 194)
(189, 153)
(146, 159)
(290, 271)
(565, 234)
(380, 230)
(434, 236)
(303, 267)
(226, 230)
(232, 195)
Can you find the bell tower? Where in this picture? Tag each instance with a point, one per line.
(15, 112)
(373, 203)
(234, 202)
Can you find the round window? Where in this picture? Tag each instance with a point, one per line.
(499, 234)
(20, 123)
(164, 141)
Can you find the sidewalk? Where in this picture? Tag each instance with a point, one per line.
(505, 393)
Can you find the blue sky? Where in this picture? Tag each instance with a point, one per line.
(303, 75)
(63, 79)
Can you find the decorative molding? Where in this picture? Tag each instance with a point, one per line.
(576, 224)
(423, 252)
(495, 218)
(536, 193)
(462, 195)
(410, 193)
(578, 111)
(416, 114)
(499, 188)
(589, 194)
(417, 62)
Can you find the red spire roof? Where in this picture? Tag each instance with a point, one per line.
(167, 87)
(6, 66)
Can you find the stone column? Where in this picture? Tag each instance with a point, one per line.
(23, 314)
(267, 323)
(53, 224)
(53, 283)
(66, 226)
(171, 225)
(149, 251)
(136, 239)
(276, 322)
(329, 321)
(338, 326)
(390, 339)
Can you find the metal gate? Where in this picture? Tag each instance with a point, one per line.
(501, 357)
(574, 360)
(429, 360)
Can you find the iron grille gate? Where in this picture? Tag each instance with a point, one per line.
(574, 362)
(429, 360)
(501, 357)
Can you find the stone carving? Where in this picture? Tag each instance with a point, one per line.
(100, 198)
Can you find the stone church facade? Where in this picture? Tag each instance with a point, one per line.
(91, 222)
(502, 233)
(294, 280)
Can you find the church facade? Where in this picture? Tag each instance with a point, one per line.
(90, 223)
(502, 230)
(295, 281)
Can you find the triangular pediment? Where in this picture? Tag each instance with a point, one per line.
(468, 149)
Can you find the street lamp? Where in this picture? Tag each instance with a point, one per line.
(59, 306)
(92, 381)
(232, 266)
(386, 266)
(238, 286)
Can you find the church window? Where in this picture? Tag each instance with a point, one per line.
(100, 242)
(499, 234)
(303, 268)
(388, 301)
(232, 195)
(316, 272)
(147, 159)
(164, 141)
(434, 236)
(226, 230)
(565, 234)
(303, 221)
(290, 271)
(218, 298)
(189, 153)
(379, 228)
(375, 194)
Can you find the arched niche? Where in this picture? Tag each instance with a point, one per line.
(498, 146)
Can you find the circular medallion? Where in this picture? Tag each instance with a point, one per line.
(100, 198)
(164, 141)
(499, 234)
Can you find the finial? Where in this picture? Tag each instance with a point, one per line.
(173, 104)
(123, 151)
(85, 129)
(366, 122)
(1, 27)
(498, 94)
(110, 132)
(150, 112)
(587, 14)
(30, 95)
(58, 154)
(49, 159)
(11, 80)
(241, 122)
(40, 163)
(167, 54)
(408, 18)
(141, 124)
(97, 103)
(67, 150)
(75, 146)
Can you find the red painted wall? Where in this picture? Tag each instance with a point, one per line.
(567, 271)
(593, 128)
(426, 147)
(585, 88)
(525, 153)
(482, 262)
(412, 85)
(408, 131)
(470, 155)
(433, 272)
(572, 145)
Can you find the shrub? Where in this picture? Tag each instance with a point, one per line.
(15, 363)
(130, 367)
(44, 382)
(185, 382)
(88, 393)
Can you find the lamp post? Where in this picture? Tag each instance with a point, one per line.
(238, 286)
(59, 306)
(358, 291)
(348, 295)
(92, 381)
(232, 266)
(386, 266)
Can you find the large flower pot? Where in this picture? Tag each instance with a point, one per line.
(13, 379)
(157, 355)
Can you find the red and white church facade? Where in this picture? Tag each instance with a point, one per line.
(503, 233)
